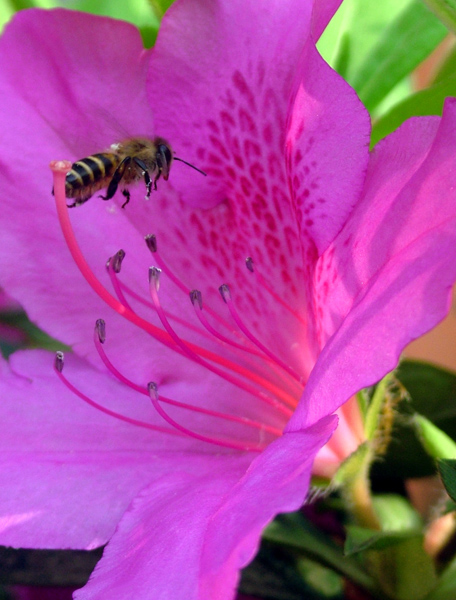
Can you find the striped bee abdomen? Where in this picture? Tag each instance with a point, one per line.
(89, 171)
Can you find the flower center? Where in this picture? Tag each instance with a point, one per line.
(235, 355)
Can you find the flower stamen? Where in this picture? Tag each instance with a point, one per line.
(259, 373)
(58, 368)
(60, 168)
(154, 275)
(100, 338)
(153, 392)
(267, 364)
(226, 295)
(113, 266)
(151, 242)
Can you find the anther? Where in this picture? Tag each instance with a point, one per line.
(225, 292)
(154, 277)
(151, 242)
(116, 261)
(59, 361)
(196, 298)
(249, 263)
(152, 388)
(100, 328)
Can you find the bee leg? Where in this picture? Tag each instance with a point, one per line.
(146, 176)
(156, 179)
(116, 178)
(79, 201)
(126, 193)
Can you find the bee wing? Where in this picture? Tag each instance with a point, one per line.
(106, 127)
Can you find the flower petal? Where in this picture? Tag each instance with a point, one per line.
(187, 537)
(387, 278)
(94, 87)
(266, 91)
(323, 12)
(69, 471)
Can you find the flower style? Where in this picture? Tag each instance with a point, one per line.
(182, 434)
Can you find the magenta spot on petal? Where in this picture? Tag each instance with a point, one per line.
(270, 222)
(238, 160)
(219, 146)
(246, 186)
(227, 119)
(251, 149)
(241, 85)
(213, 126)
(231, 172)
(261, 71)
(247, 123)
(215, 158)
(267, 134)
(264, 193)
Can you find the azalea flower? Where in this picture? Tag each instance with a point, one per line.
(176, 433)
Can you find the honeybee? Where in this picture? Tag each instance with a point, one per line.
(124, 163)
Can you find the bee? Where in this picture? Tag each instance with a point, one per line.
(124, 163)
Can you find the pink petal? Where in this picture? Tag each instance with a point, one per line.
(323, 12)
(68, 471)
(90, 79)
(258, 223)
(187, 537)
(388, 276)
(260, 93)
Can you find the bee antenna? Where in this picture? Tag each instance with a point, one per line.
(192, 166)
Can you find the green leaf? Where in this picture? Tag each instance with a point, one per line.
(296, 532)
(401, 48)
(34, 337)
(403, 568)
(398, 519)
(395, 513)
(274, 574)
(445, 588)
(160, 6)
(433, 394)
(354, 31)
(445, 10)
(426, 102)
(360, 539)
(21, 4)
(138, 12)
(435, 441)
(447, 470)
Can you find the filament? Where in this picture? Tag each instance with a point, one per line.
(58, 368)
(226, 295)
(154, 275)
(60, 168)
(246, 376)
(217, 441)
(99, 338)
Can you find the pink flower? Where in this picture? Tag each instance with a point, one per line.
(350, 262)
